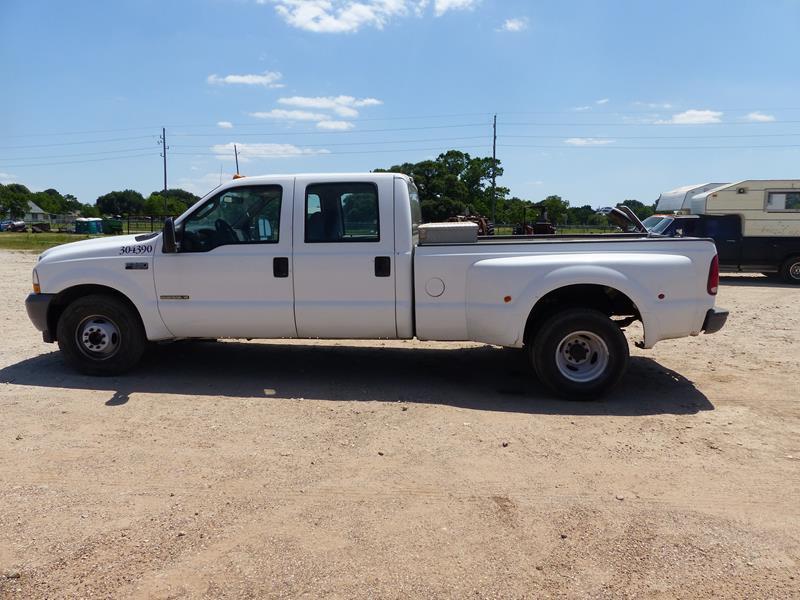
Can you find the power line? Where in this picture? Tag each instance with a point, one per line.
(72, 162)
(318, 132)
(73, 155)
(614, 147)
(658, 137)
(364, 143)
(663, 124)
(124, 139)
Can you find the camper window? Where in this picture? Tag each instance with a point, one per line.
(783, 200)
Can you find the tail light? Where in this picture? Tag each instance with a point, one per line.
(713, 277)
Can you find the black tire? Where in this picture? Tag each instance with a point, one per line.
(790, 270)
(585, 344)
(100, 335)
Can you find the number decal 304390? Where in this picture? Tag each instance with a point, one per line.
(136, 250)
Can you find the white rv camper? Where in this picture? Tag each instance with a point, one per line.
(679, 199)
(766, 207)
(754, 223)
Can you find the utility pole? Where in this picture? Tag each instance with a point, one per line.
(236, 154)
(494, 168)
(163, 141)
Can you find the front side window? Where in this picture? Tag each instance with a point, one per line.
(342, 212)
(240, 215)
(783, 200)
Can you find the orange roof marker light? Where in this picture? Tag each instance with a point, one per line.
(237, 176)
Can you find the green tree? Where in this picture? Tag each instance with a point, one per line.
(125, 202)
(640, 209)
(453, 184)
(579, 215)
(88, 210)
(13, 200)
(556, 208)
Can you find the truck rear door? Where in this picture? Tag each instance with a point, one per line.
(343, 258)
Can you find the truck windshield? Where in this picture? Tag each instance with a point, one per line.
(661, 226)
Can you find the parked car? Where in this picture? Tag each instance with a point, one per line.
(345, 256)
(738, 252)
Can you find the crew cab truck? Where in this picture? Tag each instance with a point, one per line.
(341, 257)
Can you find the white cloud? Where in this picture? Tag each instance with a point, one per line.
(290, 115)
(7, 178)
(587, 142)
(225, 124)
(348, 16)
(694, 117)
(759, 117)
(343, 106)
(251, 151)
(442, 6)
(602, 101)
(654, 105)
(335, 125)
(514, 25)
(269, 79)
(582, 108)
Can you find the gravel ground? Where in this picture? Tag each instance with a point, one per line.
(402, 469)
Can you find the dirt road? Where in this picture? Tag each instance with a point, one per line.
(402, 469)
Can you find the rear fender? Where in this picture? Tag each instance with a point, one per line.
(501, 293)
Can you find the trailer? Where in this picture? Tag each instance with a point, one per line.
(679, 199)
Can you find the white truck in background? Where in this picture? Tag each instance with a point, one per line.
(341, 257)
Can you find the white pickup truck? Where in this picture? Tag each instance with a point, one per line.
(344, 257)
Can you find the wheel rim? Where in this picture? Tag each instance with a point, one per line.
(98, 337)
(794, 270)
(582, 356)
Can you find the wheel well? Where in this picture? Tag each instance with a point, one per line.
(606, 299)
(69, 295)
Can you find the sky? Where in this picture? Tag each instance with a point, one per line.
(595, 101)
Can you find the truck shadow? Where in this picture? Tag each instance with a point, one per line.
(754, 281)
(480, 378)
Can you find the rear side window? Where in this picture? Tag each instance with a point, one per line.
(783, 201)
(416, 210)
(342, 212)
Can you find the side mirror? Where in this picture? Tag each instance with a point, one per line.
(169, 245)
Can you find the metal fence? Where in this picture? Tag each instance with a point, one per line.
(139, 224)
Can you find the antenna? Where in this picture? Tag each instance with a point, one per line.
(494, 167)
(236, 155)
(163, 141)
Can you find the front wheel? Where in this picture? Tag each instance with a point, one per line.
(579, 353)
(100, 335)
(790, 271)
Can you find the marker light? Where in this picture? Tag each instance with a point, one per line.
(36, 287)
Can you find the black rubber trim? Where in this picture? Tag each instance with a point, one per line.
(715, 320)
(37, 306)
(146, 236)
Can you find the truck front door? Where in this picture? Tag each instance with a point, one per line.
(344, 262)
(726, 231)
(232, 274)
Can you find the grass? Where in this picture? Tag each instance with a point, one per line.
(38, 241)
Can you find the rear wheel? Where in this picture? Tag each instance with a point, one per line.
(579, 353)
(790, 271)
(100, 335)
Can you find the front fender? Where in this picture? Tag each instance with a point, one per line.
(136, 285)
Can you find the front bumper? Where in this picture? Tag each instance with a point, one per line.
(715, 320)
(38, 306)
